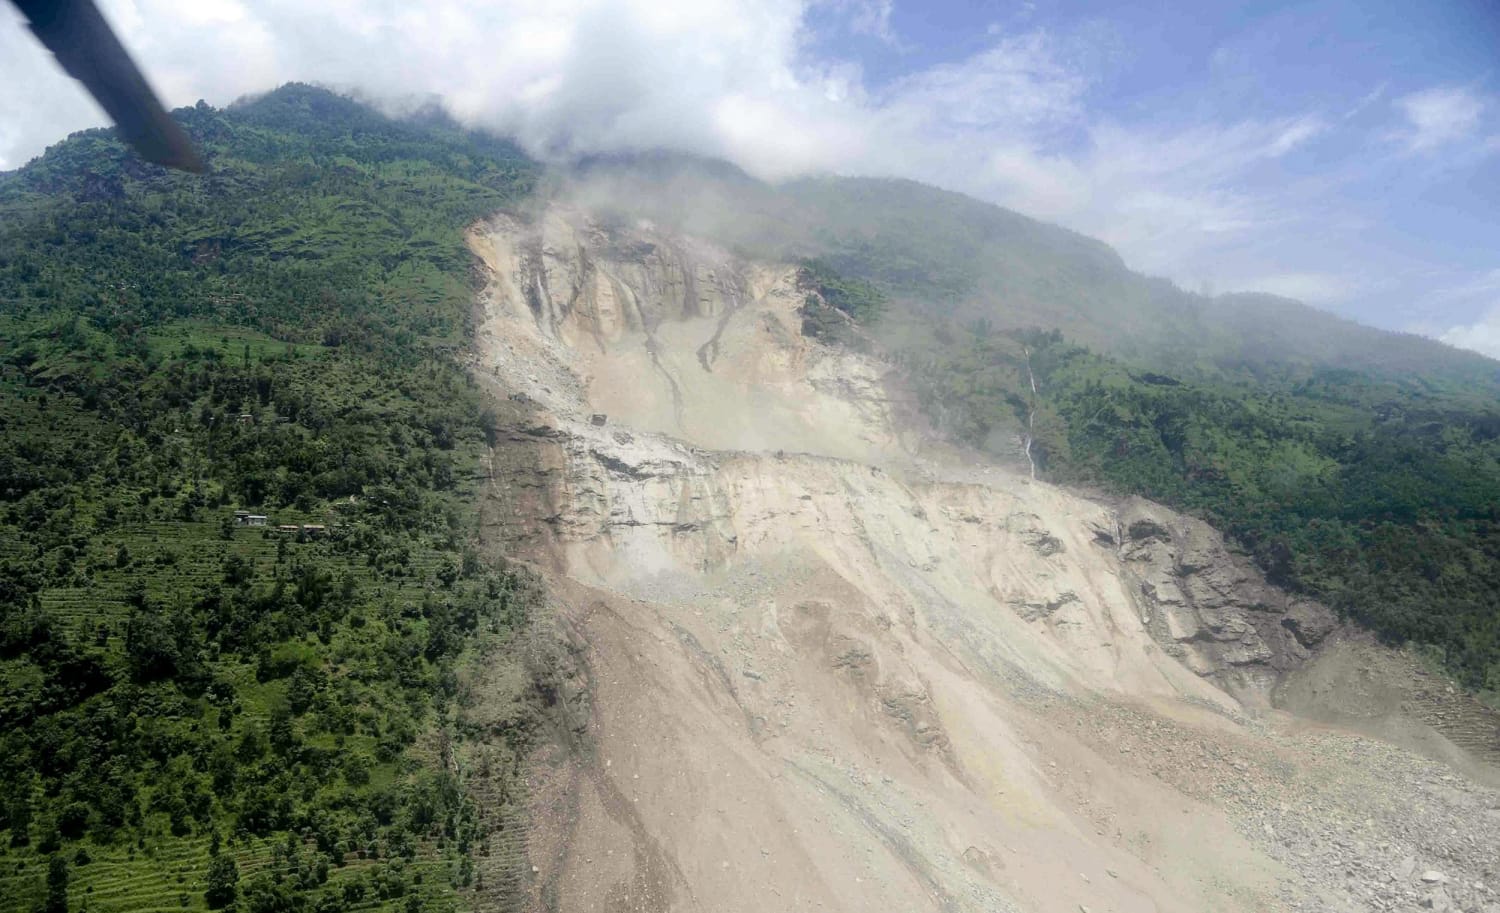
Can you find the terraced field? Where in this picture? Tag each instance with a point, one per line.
(168, 876)
(174, 559)
(163, 872)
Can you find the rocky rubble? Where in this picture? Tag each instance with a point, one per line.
(1212, 608)
(1365, 825)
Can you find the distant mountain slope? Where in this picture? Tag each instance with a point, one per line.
(952, 256)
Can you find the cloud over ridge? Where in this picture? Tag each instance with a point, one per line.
(1022, 116)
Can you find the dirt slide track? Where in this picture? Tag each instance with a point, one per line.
(814, 662)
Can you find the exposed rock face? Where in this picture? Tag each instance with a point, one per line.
(668, 335)
(826, 666)
(1212, 608)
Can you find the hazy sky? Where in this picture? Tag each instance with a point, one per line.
(1346, 152)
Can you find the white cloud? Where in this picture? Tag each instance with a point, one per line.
(37, 103)
(1016, 84)
(1167, 198)
(1461, 309)
(562, 75)
(1478, 287)
(1438, 116)
(1482, 336)
(1013, 124)
(1294, 134)
(867, 17)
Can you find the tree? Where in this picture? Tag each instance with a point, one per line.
(283, 735)
(19, 814)
(102, 717)
(152, 646)
(73, 820)
(266, 894)
(223, 882)
(303, 689)
(57, 886)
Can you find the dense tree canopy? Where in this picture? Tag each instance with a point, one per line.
(195, 712)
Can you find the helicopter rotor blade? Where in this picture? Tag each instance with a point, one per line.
(82, 41)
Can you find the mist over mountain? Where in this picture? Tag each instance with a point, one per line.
(1351, 166)
(947, 255)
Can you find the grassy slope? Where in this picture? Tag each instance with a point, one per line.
(169, 682)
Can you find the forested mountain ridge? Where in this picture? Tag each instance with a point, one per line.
(197, 709)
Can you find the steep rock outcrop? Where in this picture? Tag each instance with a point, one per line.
(1212, 608)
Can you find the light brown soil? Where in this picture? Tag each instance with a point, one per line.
(805, 662)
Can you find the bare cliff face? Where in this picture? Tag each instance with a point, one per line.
(1213, 609)
(816, 662)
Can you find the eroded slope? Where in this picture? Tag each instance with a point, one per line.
(816, 664)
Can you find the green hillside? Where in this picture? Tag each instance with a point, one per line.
(194, 711)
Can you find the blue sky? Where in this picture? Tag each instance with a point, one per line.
(1383, 207)
(1342, 152)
